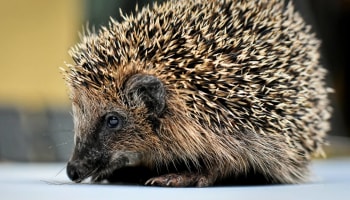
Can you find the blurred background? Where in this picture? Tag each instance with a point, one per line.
(35, 120)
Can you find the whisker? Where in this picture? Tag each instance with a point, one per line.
(60, 171)
(51, 182)
(61, 144)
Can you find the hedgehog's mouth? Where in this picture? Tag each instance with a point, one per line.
(78, 171)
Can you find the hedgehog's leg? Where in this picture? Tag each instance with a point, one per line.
(181, 180)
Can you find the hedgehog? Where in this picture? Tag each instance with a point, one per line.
(199, 93)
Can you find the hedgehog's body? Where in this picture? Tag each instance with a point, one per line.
(197, 92)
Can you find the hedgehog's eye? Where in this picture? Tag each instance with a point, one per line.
(113, 121)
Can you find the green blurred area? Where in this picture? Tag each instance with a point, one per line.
(35, 121)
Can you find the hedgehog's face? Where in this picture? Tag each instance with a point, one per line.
(114, 135)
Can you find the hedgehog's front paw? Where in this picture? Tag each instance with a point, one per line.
(180, 180)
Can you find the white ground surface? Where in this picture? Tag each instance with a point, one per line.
(331, 180)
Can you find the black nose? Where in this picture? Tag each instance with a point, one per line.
(73, 172)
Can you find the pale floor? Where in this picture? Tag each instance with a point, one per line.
(331, 180)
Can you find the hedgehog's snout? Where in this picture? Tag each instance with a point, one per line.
(74, 171)
(85, 162)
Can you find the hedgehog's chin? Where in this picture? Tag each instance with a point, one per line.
(118, 160)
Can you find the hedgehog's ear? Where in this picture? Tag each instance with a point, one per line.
(146, 88)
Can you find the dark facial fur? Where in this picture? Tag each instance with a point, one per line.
(195, 93)
(105, 133)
